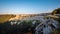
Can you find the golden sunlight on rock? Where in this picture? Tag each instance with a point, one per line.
(52, 16)
(15, 18)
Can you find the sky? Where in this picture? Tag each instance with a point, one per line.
(28, 6)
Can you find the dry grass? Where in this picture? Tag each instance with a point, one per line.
(5, 17)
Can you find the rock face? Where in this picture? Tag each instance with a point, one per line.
(15, 18)
(47, 26)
